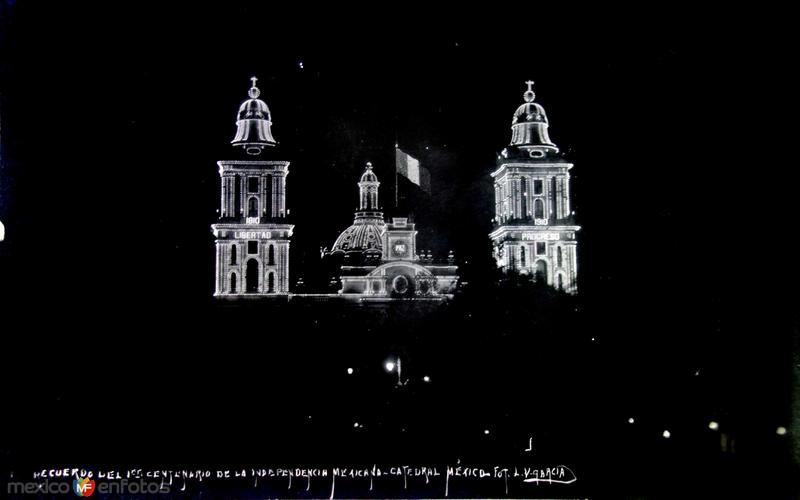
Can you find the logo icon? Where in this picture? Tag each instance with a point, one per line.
(83, 486)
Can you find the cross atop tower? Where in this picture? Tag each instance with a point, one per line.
(529, 95)
(253, 92)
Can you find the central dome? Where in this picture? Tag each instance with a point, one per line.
(364, 236)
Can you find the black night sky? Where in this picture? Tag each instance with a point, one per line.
(111, 123)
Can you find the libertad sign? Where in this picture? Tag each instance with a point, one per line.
(253, 234)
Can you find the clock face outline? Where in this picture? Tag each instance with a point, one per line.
(399, 248)
(400, 284)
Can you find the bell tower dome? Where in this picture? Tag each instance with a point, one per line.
(529, 125)
(253, 123)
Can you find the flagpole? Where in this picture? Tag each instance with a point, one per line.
(399, 372)
(396, 178)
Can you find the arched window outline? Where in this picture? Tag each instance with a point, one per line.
(522, 256)
(498, 203)
(538, 208)
(252, 207)
(561, 281)
(524, 200)
(232, 282)
(268, 191)
(233, 254)
(270, 282)
(559, 257)
(237, 196)
(271, 255)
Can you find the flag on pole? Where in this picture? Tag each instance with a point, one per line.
(409, 167)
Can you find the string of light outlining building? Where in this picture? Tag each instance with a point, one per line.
(534, 231)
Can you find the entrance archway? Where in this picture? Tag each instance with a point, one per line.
(541, 271)
(251, 276)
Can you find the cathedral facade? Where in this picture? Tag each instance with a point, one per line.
(252, 234)
(534, 224)
(380, 259)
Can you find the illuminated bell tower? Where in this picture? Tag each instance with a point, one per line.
(252, 247)
(534, 227)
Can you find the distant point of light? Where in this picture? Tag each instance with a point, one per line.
(426, 378)
(389, 366)
(713, 425)
(781, 431)
(355, 425)
(631, 420)
(592, 339)
(349, 371)
(486, 432)
(301, 64)
(666, 434)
